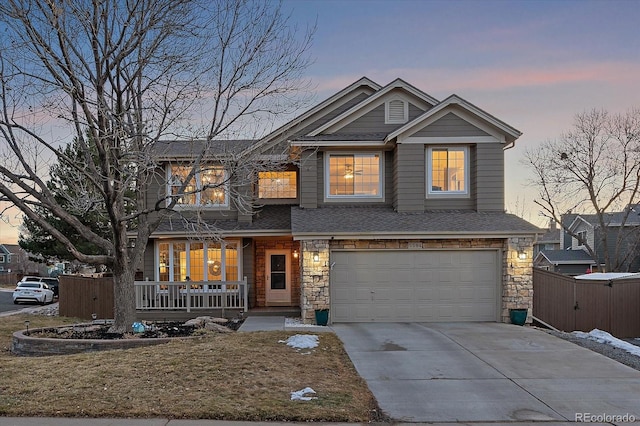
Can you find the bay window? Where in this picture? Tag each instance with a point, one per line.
(197, 261)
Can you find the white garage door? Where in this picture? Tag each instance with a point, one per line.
(407, 286)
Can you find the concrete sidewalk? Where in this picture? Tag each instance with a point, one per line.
(271, 323)
(49, 421)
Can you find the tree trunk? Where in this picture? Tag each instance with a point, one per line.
(124, 299)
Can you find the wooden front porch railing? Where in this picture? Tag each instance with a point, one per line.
(192, 295)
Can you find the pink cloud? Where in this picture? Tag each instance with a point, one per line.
(500, 78)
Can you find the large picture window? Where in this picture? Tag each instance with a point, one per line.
(198, 261)
(207, 188)
(277, 185)
(354, 175)
(448, 170)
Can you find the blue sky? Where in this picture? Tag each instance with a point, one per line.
(533, 64)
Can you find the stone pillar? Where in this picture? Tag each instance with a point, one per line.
(315, 278)
(517, 290)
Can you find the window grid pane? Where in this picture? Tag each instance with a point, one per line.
(354, 175)
(212, 182)
(196, 262)
(448, 170)
(277, 185)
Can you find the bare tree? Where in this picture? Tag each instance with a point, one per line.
(120, 76)
(594, 169)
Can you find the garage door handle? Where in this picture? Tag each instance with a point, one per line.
(372, 291)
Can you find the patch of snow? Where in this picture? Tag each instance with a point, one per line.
(297, 322)
(604, 337)
(301, 395)
(606, 276)
(302, 341)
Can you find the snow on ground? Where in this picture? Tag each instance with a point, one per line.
(297, 322)
(301, 395)
(302, 341)
(604, 337)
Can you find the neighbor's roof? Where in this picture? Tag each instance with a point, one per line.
(380, 222)
(565, 257)
(607, 276)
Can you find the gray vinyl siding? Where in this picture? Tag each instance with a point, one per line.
(148, 262)
(450, 126)
(331, 114)
(373, 122)
(409, 178)
(489, 176)
(248, 268)
(310, 175)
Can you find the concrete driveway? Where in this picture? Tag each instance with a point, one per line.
(487, 372)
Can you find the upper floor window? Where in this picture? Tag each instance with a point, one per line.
(354, 175)
(277, 184)
(448, 170)
(396, 111)
(2, 258)
(582, 238)
(208, 187)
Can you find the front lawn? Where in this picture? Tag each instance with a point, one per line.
(238, 376)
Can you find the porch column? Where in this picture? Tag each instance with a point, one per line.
(517, 290)
(314, 291)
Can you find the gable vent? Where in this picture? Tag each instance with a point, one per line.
(396, 112)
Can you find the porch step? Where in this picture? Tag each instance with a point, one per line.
(286, 311)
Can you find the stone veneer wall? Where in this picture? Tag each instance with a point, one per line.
(260, 268)
(517, 278)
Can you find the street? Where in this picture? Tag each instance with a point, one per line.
(6, 302)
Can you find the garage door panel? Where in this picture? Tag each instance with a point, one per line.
(439, 285)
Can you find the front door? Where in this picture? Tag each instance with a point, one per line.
(278, 278)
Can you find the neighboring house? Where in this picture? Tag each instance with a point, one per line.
(568, 262)
(625, 253)
(395, 212)
(5, 259)
(550, 240)
(18, 261)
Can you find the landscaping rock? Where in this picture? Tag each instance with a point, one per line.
(217, 327)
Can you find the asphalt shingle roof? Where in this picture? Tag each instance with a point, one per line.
(192, 148)
(376, 220)
(269, 218)
(344, 137)
(567, 256)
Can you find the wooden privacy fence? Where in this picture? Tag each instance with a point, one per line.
(81, 297)
(10, 278)
(569, 304)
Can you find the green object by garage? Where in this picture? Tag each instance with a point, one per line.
(322, 316)
(518, 316)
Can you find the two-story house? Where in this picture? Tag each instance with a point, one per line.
(394, 212)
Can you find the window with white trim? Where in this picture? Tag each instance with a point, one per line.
(448, 170)
(396, 111)
(582, 238)
(208, 187)
(2, 258)
(353, 175)
(198, 261)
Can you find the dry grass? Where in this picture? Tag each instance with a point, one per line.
(239, 376)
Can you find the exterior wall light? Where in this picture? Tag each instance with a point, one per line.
(316, 257)
(295, 254)
(522, 255)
